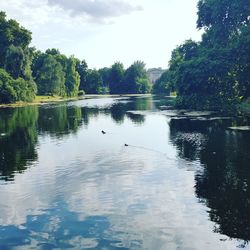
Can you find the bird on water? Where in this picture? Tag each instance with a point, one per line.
(103, 132)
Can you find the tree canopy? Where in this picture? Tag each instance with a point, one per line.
(213, 73)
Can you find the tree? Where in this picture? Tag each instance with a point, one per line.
(94, 84)
(49, 75)
(12, 90)
(134, 79)
(72, 79)
(105, 74)
(7, 92)
(52, 52)
(221, 19)
(82, 69)
(240, 48)
(14, 42)
(16, 82)
(165, 84)
(116, 77)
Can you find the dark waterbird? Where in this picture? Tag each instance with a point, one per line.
(103, 132)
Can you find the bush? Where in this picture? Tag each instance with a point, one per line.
(15, 90)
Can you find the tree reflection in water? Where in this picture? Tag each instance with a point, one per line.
(19, 128)
(223, 182)
(18, 140)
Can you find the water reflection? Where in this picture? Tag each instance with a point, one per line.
(86, 190)
(223, 181)
(59, 120)
(18, 140)
(19, 127)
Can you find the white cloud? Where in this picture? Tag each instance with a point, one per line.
(95, 9)
(105, 31)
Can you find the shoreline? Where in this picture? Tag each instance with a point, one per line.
(44, 100)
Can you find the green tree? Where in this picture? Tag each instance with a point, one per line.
(49, 75)
(12, 90)
(72, 77)
(136, 80)
(240, 55)
(221, 19)
(7, 92)
(94, 84)
(16, 82)
(105, 74)
(165, 84)
(116, 77)
(82, 69)
(11, 33)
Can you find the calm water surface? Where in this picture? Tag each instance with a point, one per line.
(181, 183)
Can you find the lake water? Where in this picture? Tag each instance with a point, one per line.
(182, 181)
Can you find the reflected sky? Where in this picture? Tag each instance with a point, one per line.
(86, 190)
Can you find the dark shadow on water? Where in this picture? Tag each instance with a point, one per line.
(17, 141)
(223, 183)
(20, 127)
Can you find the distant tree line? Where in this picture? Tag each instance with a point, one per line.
(213, 73)
(210, 74)
(26, 72)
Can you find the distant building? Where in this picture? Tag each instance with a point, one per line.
(155, 73)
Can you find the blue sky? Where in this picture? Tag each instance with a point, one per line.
(105, 31)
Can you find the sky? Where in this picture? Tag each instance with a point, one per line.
(106, 31)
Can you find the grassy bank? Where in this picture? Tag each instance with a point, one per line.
(41, 100)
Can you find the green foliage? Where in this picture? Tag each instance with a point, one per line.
(116, 77)
(136, 80)
(55, 74)
(82, 69)
(72, 81)
(165, 84)
(240, 47)
(12, 90)
(11, 33)
(16, 83)
(105, 74)
(94, 83)
(143, 85)
(222, 18)
(7, 92)
(48, 74)
(214, 74)
(25, 89)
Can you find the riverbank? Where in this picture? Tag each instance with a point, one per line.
(42, 100)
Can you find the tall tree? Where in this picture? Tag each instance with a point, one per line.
(14, 42)
(15, 58)
(49, 75)
(221, 19)
(82, 69)
(94, 84)
(116, 77)
(72, 80)
(136, 79)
